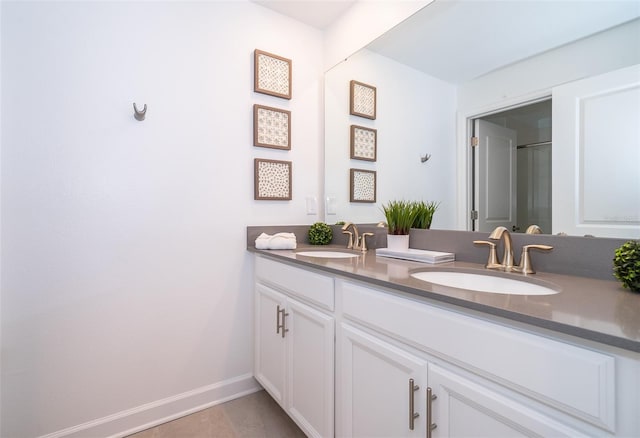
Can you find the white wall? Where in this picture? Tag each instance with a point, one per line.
(125, 276)
(415, 116)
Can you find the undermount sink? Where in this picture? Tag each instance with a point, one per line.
(484, 283)
(327, 254)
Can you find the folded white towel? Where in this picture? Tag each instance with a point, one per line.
(277, 241)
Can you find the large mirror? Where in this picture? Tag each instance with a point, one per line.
(456, 63)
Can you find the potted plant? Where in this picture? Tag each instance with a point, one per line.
(424, 214)
(626, 265)
(400, 217)
(320, 234)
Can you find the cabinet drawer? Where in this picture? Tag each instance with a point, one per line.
(314, 288)
(573, 379)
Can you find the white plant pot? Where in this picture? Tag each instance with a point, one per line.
(398, 242)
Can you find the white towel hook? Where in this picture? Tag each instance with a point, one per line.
(139, 115)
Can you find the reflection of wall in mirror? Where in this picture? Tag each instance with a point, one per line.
(535, 77)
(415, 116)
(606, 51)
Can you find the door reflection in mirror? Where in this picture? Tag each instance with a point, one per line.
(512, 168)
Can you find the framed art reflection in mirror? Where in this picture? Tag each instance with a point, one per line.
(362, 185)
(362, 100)
(364, 143)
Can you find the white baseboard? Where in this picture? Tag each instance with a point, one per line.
(151, 414)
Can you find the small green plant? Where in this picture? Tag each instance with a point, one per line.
(626, 265)
(400, 216)
(424, 214)
(320, 234)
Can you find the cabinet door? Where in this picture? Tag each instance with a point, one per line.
(270, 347)
(310, 342)
(464, 408)
(373, 391)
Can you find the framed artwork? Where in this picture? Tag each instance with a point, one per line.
(272, 74)
(362, 185)
(271, 127)
(272, 180)
(362, 100)
(364, 143)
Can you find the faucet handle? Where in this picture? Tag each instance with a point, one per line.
(525, 265)
(350, 244)
(533, 229)
(540, 247)
(363, 240)
(492, 262)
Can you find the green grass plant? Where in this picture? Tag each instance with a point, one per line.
(400, 216)
(424, 214)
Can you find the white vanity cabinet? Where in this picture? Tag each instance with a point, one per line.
(294, 343)
(408, 366)
(386, 391)
(465, 406)
(380, 388)
(488, 379)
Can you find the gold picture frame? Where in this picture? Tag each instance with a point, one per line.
(272, 74)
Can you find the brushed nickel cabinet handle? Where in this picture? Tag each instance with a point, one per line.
(283, 326)
(280, 312)
(278, 319)
(430, 398)
(412, 415)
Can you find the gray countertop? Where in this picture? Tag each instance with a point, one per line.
(593, 309)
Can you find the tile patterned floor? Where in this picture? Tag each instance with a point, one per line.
(253, 416)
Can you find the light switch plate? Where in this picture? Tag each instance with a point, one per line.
(312, 205)
(331, 205)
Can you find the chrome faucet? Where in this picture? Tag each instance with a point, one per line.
(501, 233)
(354, 237)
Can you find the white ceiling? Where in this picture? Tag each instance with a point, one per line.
(317, 13)
(457, 41)
(460, 40)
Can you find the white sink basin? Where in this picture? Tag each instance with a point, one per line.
(327, 254)
(483, 283)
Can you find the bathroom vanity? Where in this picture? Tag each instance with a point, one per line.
(358, 347)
